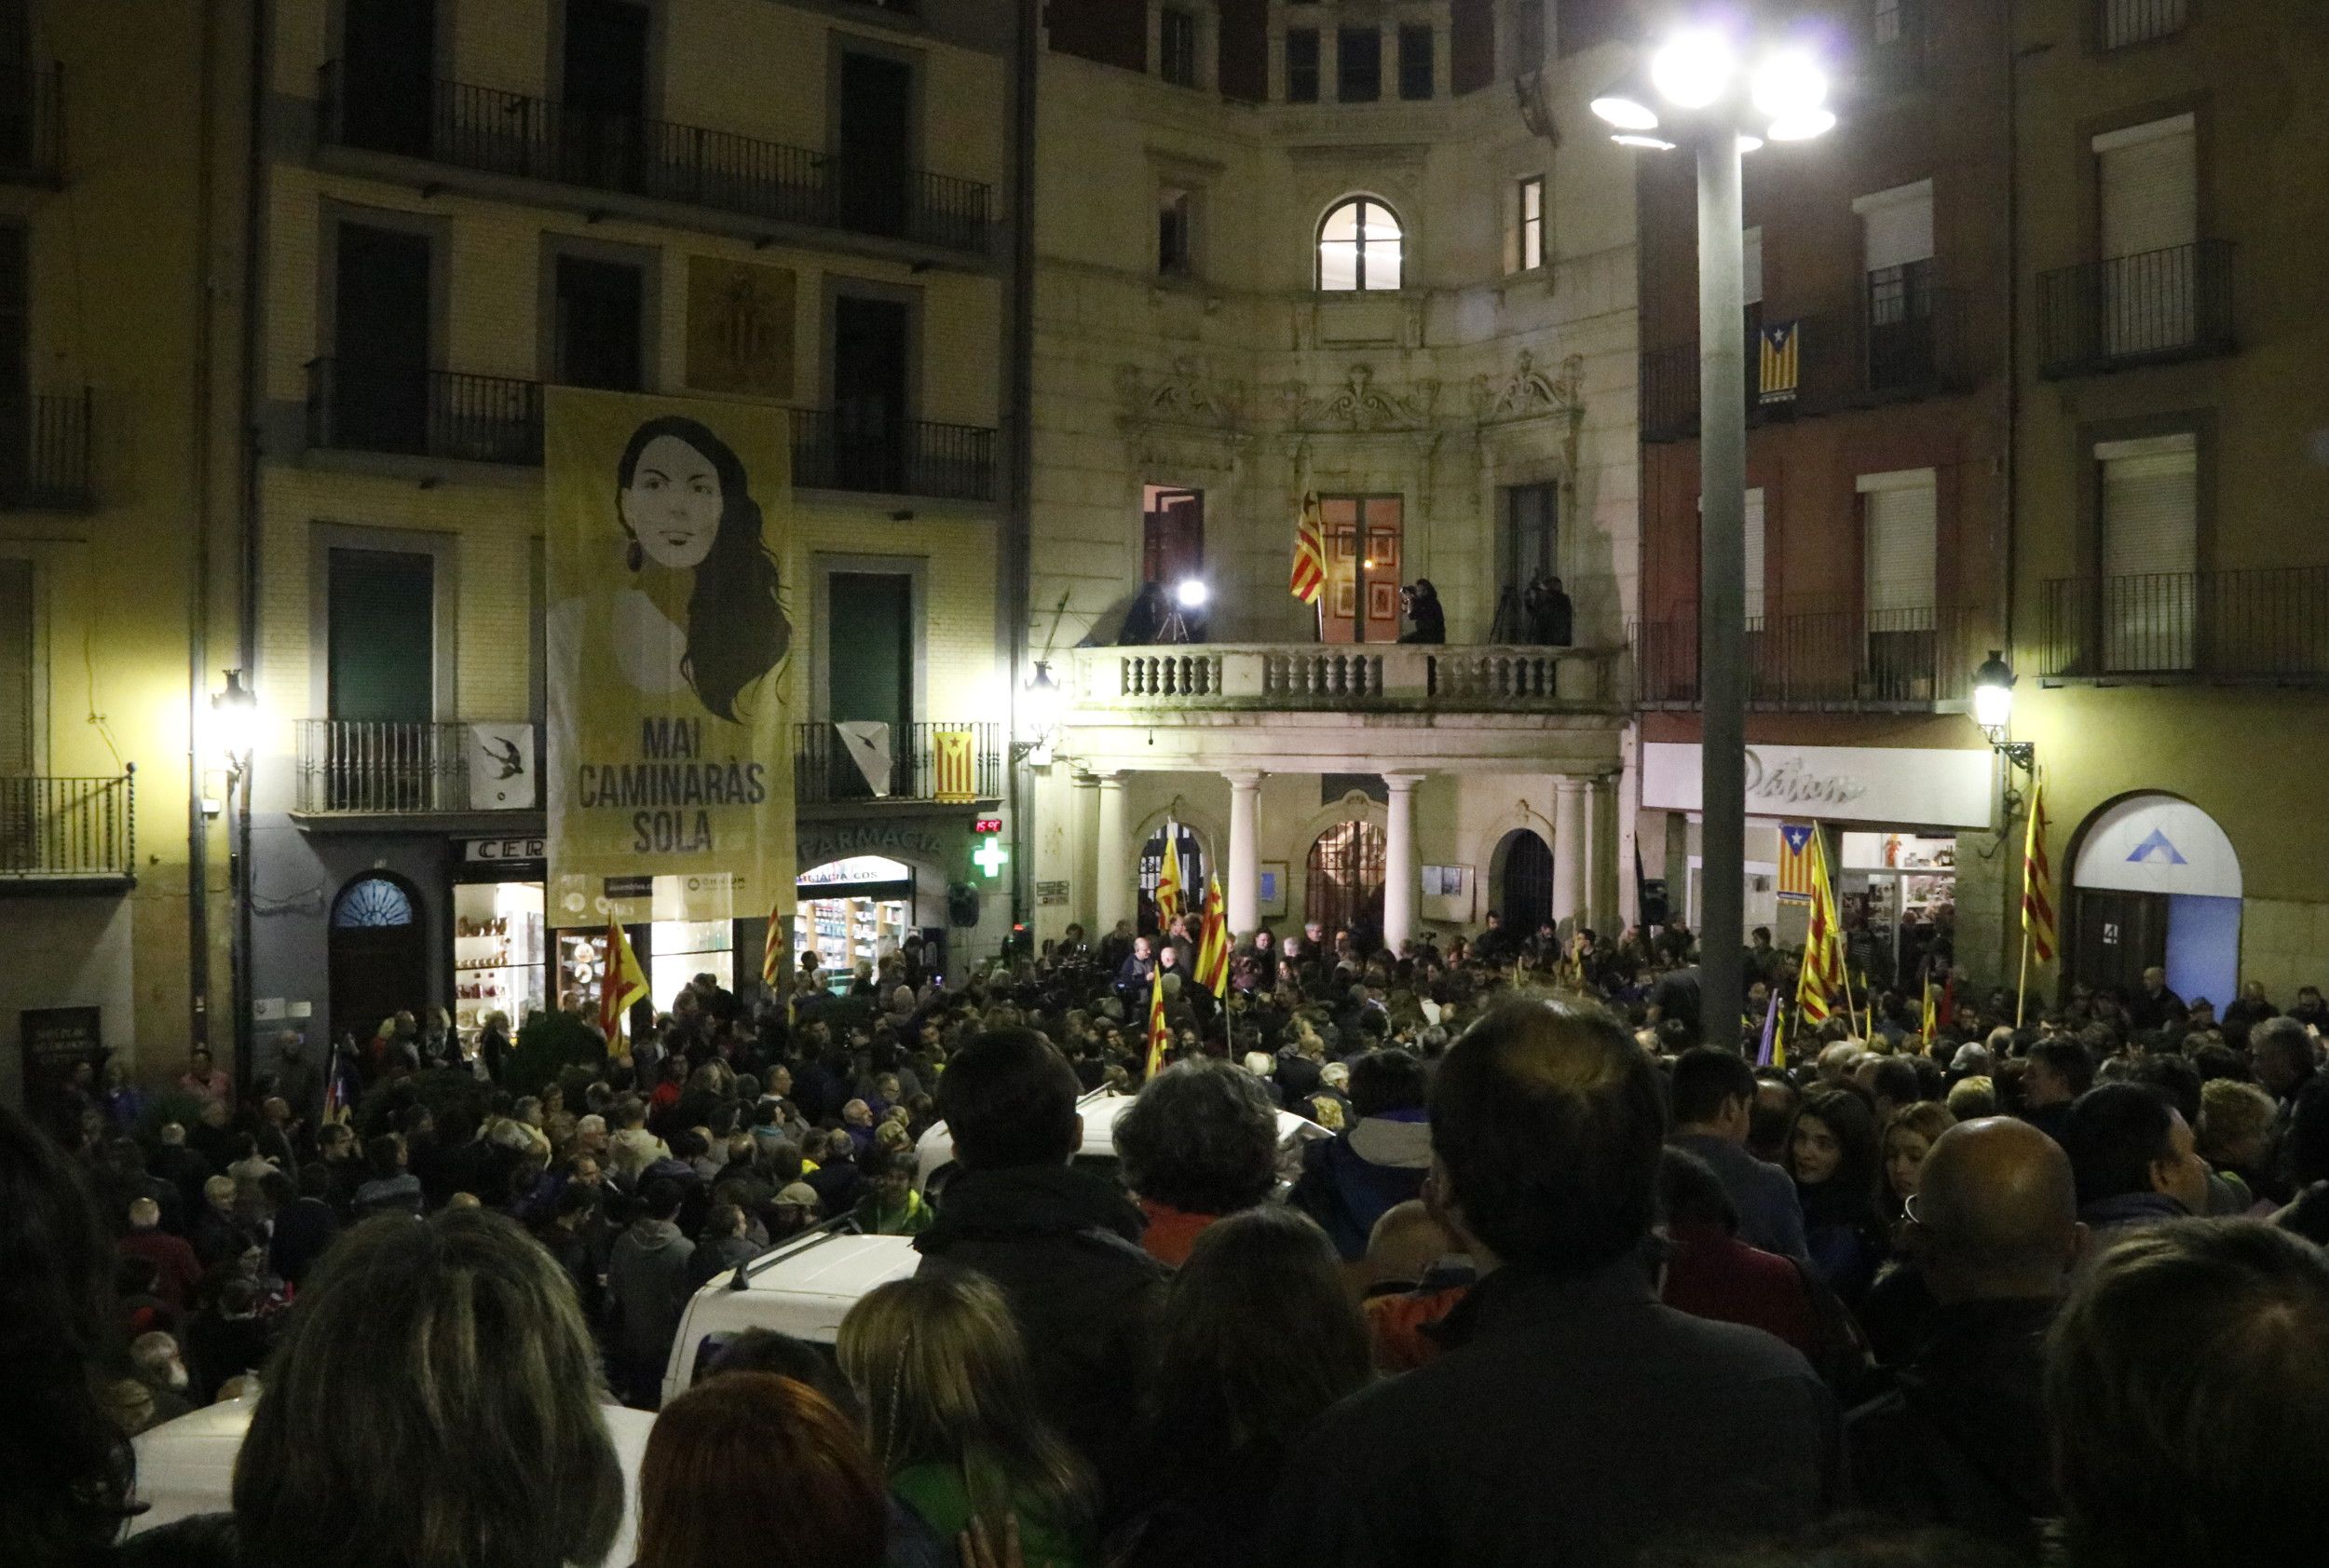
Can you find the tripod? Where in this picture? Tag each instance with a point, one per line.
(1511, 624)
(1174, 628)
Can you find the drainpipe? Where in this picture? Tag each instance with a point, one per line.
(198, 573)
(1020, 436)
(2006, 574)
(254, 422)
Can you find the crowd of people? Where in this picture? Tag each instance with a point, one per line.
(1565, 1275)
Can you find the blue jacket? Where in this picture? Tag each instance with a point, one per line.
(1351, 1179)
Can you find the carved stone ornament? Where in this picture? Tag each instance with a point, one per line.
(1185, 395)
(1529, 392)
(1360, 405)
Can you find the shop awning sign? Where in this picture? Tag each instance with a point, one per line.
(1905, 786)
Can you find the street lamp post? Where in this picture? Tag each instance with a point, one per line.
(1699, 91)
(236, 714)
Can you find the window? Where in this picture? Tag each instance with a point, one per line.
(1174, 254)
(15, 362)
(1364, 539)
(1471, 45)
(381, 654)
(379, 393)
(1532, 518)
(1172, 535)
(1359, 247)
(2147, 178)
(21, 703)
(873, 682)
(1358, 64)
(1899, 514)
(597, 324)
(1301, 65)
(2122, 23)
(1754, 554)
(1177, 46)
(2150, 551)
(1415, 60)
(1532, 217)
(1897, 252)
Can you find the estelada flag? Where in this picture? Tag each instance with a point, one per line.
(1795, 861)
(956, 765)
(2037, 880)
(1310, 553)
(1823, 945)
(623, 983)
(1168, 884)
(1213, 944)
(1159, 1035)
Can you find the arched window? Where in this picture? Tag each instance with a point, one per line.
(1359, 247)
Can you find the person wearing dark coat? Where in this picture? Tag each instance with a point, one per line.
(304, 1227)
(1145, 618)
(1424, 609)
(1570, 1418)
(1063, 1243)
(1354, 1178)
(1962, 1439)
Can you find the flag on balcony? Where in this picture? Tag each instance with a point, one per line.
(2037, 880)
(1159, 1035)
(1781, 362)
(622, 983)
(1823, 945)
(957, 755)
(1213, 942)
(1310, 553)
(1168, 882)
(867, 743)
(1795, 862)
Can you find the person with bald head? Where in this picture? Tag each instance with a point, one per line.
(1962, 1439)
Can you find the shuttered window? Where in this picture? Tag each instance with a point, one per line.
(2150, 515)
(1897, 226)
(383, 648)
(20, 694)
(2149, 186)
(1754, 554)
(1901, 511)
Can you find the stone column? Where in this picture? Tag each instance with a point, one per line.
(1572, 853)
(1084, 862)
(1400, 876)
(1116, 867)
(1604, 873)
(1244, 854)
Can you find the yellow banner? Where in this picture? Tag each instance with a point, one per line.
(670, 676)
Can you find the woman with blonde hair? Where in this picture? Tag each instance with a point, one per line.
(950, 1408)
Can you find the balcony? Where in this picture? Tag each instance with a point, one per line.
(44, 454)
(1896, 342)
(910, 457)
(1839, 660)
(512, 135)
(2122, 23)
(420, 413)
(2265, 625)
(1358, 678)
(823, 772)
(69, 835)
(32, 124)
(2154, 308)
(363, 767)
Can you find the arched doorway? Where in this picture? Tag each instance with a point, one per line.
(2156, 884)
(379, 953)
(1193, 874)
(1346, 881)
(1524, 899)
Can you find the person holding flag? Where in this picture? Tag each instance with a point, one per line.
(1160, 1033)
(622, 983)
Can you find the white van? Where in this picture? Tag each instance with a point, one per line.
(935, 1162)
(187, 1467)
(803, 1288)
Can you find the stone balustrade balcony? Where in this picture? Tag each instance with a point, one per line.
(1265, 677)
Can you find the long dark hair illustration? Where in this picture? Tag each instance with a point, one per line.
(685, 503)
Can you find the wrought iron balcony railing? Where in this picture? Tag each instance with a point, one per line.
(828, 768)
(32, 123)
(45, 450)
(835, 451)
(1832, 659)
(510, 133)
(54, 829)
(2151, 308)
(423, 413)
(2265, 624)
(361, 766)
(2121, 23)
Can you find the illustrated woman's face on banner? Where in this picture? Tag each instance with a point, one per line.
(673, 505)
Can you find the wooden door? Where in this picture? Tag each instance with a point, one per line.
(2119, 936)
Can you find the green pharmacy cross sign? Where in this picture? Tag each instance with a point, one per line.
(991, 858)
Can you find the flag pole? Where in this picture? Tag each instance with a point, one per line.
(2021, 986)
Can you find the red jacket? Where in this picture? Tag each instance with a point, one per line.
(1713, 1274)
(180, 1270)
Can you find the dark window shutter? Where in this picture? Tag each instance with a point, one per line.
(1243, 67)
(873, 680)
(1471, 45)
(1109, 32)
(383, 643)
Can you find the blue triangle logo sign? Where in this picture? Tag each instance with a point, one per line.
(2157, 850)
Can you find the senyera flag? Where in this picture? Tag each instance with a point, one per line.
(1213, 942)
(1310, 553)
